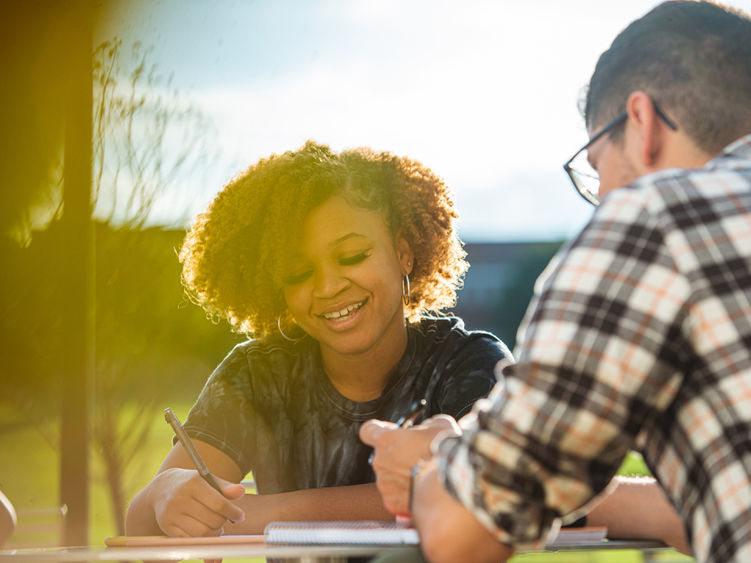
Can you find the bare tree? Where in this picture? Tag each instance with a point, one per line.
(146, 139)
(146, 136)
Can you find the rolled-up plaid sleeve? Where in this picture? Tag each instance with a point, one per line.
(596, 361)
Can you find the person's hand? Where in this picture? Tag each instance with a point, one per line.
(8, 519)
(186, 505)
(397, 450)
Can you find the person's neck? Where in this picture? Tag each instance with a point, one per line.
(362, 377)
(680, 151)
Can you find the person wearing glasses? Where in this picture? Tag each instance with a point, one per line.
(338, 265)
(639, 335)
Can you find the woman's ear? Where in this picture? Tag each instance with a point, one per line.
(404, 254)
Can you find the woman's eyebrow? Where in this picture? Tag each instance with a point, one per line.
(346, 237)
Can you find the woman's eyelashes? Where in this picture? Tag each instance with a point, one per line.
(350, 260)
(294, 279)
(354, 259)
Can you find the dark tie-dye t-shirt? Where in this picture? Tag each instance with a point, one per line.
(270, 407)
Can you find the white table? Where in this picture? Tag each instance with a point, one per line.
(301, 554)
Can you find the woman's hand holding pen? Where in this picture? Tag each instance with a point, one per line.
(185, 504)
(397, 450)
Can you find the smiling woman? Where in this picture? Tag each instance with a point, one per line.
(349, 294)
(239, 254)
(330, 263)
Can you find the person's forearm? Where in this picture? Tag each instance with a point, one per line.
(355, 502)
(637, 508)
(448, 531)
(140, 519)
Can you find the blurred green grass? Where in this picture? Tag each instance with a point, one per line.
(633, 465)
(29, 473)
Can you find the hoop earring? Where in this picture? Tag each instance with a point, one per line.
(279, 326)
(406, 294)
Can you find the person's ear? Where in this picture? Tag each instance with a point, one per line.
(644, 131)
(404, 253)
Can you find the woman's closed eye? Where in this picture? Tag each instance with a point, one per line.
(302, 275)
(298, 277)
(354, 259)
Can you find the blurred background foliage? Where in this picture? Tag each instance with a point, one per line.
(32, 108)
(152, 347)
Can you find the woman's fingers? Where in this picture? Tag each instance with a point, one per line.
(185, 525)
(188, 505)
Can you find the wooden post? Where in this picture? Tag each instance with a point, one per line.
(77, 244)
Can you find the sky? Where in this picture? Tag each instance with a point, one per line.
(482, 92)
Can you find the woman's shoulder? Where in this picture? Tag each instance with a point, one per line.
(255, 348)
(459, 363)
(451, 332)
(266, 358)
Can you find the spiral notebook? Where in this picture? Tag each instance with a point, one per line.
(571, 536)
(341, 532)
(337, 532)
(170, 541)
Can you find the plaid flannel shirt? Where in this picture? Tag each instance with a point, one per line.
(639, 336)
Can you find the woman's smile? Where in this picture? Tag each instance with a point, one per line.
(344, 286)
(343, 313)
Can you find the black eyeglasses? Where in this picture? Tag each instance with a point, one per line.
(585, 178)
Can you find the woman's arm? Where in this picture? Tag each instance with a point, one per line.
(354, 502)
(637, 508)
(179, 502)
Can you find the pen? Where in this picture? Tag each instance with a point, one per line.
(203, 471)
(417, 408)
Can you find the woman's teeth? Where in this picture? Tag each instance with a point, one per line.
(343, 313)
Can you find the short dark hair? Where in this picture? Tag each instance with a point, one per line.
(693, 59)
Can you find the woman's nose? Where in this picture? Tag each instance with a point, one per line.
(328, 282)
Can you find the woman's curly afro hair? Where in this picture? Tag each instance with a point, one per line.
(234, 255)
